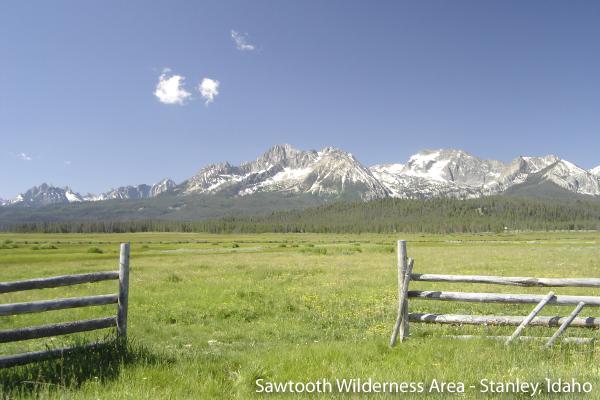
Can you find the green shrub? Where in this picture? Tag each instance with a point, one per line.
(8, 244)
(173, 278)
(95, 250)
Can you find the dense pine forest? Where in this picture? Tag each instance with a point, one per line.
(488, 214)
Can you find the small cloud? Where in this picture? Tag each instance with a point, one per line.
(241, 41)
(169, 89)
(68, 163)
(24, 157)
(209, 89)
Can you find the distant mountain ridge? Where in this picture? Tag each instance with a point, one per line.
(335, 174)
(44, 194)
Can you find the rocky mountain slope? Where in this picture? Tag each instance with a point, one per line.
(329, 172)
(332, 173)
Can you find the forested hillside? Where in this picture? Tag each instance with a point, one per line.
(386, 215)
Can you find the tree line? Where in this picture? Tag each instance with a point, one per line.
(441, 215)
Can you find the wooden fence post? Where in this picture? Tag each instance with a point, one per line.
(565, 324)
(123, 292)
(530, 317)
(404, 301)
(402, 265)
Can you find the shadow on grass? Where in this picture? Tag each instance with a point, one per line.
(102, 363)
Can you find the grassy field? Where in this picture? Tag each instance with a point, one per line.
(209, 314)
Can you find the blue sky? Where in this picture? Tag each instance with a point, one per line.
(380, 79)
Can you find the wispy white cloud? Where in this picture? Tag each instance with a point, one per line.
(68, 163)
(209, 89)
(241, 41)
(169, 89)
(24, 157)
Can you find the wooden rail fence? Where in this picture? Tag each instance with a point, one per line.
(406, 276)
(119, 321)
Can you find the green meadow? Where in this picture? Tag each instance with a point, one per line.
(211, 314)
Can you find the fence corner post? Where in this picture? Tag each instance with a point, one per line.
(402, 265)
(123, 292)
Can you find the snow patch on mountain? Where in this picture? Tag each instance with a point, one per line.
(573, 178)
(73, 197)
(448, 165)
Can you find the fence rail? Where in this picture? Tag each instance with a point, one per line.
(57, 281)
(590, 301)
(512, 281)
(64, 328)
(406, 276)
(119, 321)
(57, 304)
(500, 320)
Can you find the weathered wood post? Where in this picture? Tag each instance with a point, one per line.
(123, 292)
(404, 300)
(530, 317)
(565, 324)
(402, 266)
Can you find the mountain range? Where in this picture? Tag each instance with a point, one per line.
(334, 174)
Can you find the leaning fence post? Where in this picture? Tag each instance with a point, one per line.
(402, 265)
(123, 292)
(565, 324)
(530, 317)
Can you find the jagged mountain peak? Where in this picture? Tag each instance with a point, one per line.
(535, 164)
(164, 186)
(596, 171)
(280, 152)
(45, 194)
(339, 172)
(280, 156)
(276, 154)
